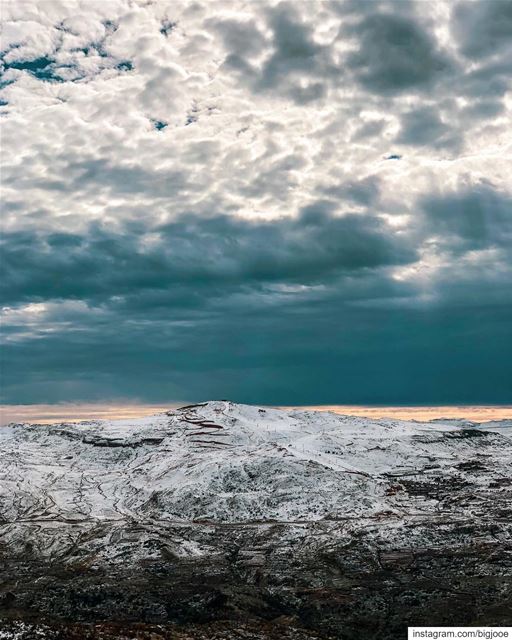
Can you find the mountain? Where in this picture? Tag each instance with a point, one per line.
(253, 520)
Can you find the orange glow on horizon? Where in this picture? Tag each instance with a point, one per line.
(425, 413)
(46, 413)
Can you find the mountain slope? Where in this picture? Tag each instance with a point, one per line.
(286, 501)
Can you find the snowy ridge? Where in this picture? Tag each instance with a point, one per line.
(230, 463)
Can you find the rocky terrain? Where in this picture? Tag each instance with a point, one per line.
(231, 521)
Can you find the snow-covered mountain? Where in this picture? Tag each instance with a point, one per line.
(218, 481)
(228, 462)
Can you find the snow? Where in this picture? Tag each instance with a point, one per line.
(228, 463)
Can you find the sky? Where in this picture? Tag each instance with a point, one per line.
(85, 412)
(289, 203)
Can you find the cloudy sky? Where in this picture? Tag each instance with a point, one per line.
(271, 202)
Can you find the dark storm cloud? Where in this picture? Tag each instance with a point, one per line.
(294, 55)
(304, 353)
(392, 54)
(475, 217)
(483, 29)
(395, 55)
(195, 309)
(483, 109)
(217, 251)
(293, 49)
(424, 127)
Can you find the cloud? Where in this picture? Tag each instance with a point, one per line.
(483, 29)
(364, 192)
(395, 55)
(274, 202)
(219, 251)
(423, 126)
(472, 218)
(293, 64)
(295, 353)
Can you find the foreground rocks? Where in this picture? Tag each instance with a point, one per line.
(299, 525)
